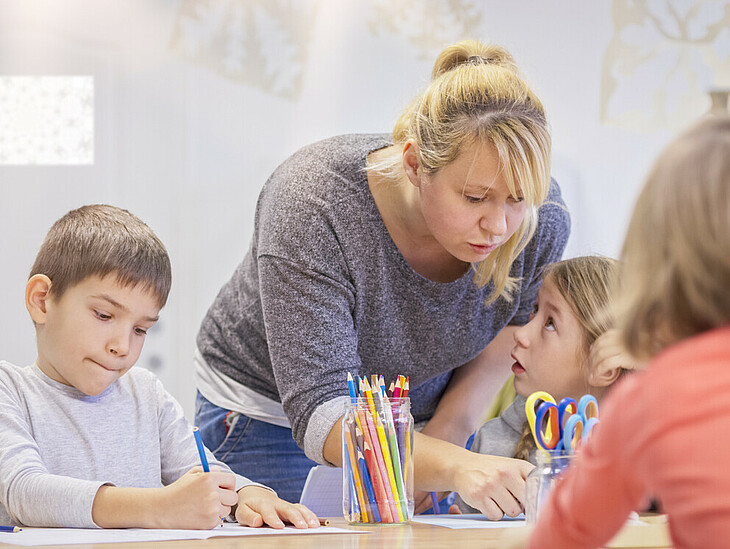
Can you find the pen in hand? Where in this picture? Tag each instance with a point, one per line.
(201, 451)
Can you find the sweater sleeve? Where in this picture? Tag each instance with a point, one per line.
(594, 498)
(32, 496)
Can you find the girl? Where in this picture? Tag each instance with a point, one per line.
(551, 351)
(664, 431)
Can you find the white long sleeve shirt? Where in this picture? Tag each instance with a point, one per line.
(58, 445)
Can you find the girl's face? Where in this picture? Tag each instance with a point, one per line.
(467, 206)
(548, 349)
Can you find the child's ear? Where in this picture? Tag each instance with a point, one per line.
(604, 375)
(410, 163)
(36, 297)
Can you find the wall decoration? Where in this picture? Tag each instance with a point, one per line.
(47, 120)
(427, 25)
(662, 60)
(262, 43)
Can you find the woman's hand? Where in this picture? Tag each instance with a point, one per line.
(257, 505)
(494, 485)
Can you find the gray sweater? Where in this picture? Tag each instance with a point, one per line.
(324, 290)
(58, 445)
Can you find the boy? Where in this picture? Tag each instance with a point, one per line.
(84, 440)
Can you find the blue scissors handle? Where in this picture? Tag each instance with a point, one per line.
(572, 433)
(547, 426)
(588, 407)
(566, 408)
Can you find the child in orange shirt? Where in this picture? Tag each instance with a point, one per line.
(663, 431)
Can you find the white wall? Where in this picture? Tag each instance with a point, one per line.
(196, 102)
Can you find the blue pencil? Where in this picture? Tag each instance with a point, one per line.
(11, 529)
(354, 507)
(373, 507)
(201, 449)
(435, 503)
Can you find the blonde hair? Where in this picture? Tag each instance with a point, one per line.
(675, 281)
(587, 284)
(99, 240)
(476, 95)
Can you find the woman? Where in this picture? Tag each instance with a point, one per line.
(407, 254)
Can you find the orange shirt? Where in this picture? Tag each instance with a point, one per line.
(664, 433)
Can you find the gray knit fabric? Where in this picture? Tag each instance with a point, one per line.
(58, 445)
(323, 290)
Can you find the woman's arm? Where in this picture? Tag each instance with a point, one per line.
(494, 485)
(471, 390)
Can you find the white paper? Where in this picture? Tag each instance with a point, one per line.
(470, 521)
(67, 536)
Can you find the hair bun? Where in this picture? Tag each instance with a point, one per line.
(472, 52)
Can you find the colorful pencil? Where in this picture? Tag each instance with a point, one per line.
(355, 474)
(201, 449)
(372, 505)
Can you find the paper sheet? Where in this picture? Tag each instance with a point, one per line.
(67, 536)
(322, 491)
(469, 521)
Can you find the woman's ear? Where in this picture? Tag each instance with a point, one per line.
(410, 162)
(36, 297)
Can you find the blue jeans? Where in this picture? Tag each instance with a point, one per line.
(261, 451)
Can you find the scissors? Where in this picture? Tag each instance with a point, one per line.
(561, 426)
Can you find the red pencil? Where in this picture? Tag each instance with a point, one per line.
(381, 497)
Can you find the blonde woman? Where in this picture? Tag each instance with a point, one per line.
(412, 253)
(662, 431)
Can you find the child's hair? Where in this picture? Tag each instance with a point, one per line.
(587, 284)
(477, 96)
(675, 280)
(97, 240)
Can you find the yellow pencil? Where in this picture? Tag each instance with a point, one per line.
(355, 474)
(388, 463)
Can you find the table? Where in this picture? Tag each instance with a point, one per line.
(404, 536)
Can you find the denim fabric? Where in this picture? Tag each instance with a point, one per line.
(257, 450)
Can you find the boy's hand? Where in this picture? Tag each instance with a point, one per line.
(258, 506)
(199, 500)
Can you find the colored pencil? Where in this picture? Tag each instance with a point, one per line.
(201, 449)
(372, 505)
(390, 496)
(375, 476)
(381, 495)
(10, 529)
(355, 475)
(435, 503)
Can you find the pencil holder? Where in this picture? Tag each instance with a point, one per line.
(551, 464)
(377, 461)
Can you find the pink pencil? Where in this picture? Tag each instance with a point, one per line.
(381, 465)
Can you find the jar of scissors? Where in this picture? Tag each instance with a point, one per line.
(559, 429)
